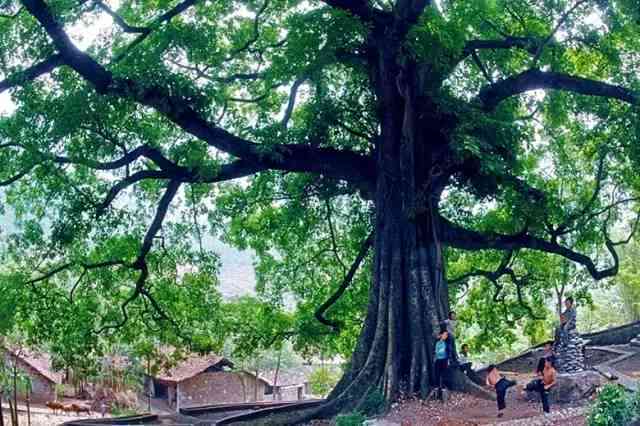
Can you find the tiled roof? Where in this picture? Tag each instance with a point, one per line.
(191, 367)
(40, 362)
(296, 376)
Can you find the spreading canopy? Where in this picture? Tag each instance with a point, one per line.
(131, 125)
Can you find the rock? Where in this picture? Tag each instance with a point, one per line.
(572, 387)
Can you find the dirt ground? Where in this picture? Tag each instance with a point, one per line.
(630, 366)
(43, 416)
(465, 410)
(42, 419)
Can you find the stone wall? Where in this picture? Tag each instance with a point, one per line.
(613, 336)
(219, 388)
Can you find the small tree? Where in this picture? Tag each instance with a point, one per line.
(322, 381)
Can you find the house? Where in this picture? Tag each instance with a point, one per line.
(37, 366)
(203, 380)
(292, 384)
(287, 384)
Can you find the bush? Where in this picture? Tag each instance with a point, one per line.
(634, 404)
(613, 407)
(350, 419)
(322, 381)
(117, 411)
(374, 403)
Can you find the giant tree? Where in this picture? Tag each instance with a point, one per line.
(427, 127)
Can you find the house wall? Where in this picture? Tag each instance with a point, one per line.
(43, 389)
(219, 388)
(290, 393)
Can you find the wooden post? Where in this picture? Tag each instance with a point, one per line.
(178, 397)
(15, 391)
(28, 409)
(1, 413)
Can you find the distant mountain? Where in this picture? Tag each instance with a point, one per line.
(237, 275)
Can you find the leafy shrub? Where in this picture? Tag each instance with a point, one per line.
(117, 411)
(634, 405)
(374, 403)
(322, 381)
(350, 419)
(613, 407)
(59, 391)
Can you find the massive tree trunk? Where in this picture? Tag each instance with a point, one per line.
(408, 294)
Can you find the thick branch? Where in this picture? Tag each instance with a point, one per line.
(466, 239)
(165, 17)
(16, 177)
(256, 30)
(32, 72)
(120, 21)
(492, 276)
(161, 212)
(410, 10)
(292, 101)
(137, 291)
(490, 96)
(359, 8)
(561, 21)
(319, 314)
(529, 44)
(142, 151)
(234, 170)
(66, 266)
(504, 269)
(127, 182)
(300, 158)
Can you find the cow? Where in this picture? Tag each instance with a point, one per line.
(55, 406)
(81, 408)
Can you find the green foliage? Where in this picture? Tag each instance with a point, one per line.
(529, 167)
(350, 419)
(628, 280)
(122, 412)
(59, 391)
(634, 405)
(613, 407)
(374, 403)
(322, 381)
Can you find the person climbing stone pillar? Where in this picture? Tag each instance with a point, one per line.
(569, 346)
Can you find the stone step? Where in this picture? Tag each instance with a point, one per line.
(635, 342)
(628, 382)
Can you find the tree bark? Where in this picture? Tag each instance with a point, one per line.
(408, 296)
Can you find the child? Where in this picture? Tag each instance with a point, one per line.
(450, 324)
(463, 359)
(442, 360)
(544, 384)
(547, 353)
(500, 383)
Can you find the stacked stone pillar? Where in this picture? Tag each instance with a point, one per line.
(569, 351)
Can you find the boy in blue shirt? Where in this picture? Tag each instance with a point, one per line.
(442, 360)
